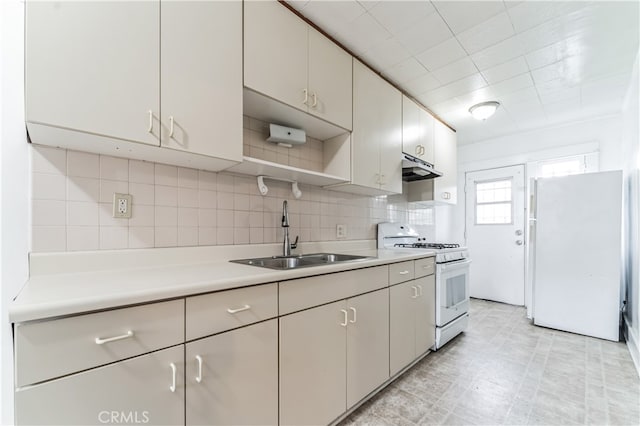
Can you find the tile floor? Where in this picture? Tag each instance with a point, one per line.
(503, 370)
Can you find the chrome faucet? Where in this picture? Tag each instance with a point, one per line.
(287, 246)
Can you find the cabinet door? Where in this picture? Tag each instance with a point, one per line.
(390, 133)
(94, 67)
(238, 373)
(275, 52)
(411, 131)
(330, 80)
(202, 77)
(367, 344)
(402, 331)
(426, 136)
(365, 139)
(425, 310)
(313, 344)
(445, 157)
(133, 391)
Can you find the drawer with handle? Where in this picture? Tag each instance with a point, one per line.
(54, 348)
(217, 312)
(425, 267)
(400, 272)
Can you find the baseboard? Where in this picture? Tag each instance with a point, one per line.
(632, 345)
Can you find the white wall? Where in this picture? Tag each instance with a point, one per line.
(14, 190)
(631, 154)
(602, 135)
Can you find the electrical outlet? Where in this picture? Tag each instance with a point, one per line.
(122, 204)
(341, 231)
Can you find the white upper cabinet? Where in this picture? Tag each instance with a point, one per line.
(446, 160)
(94, 67)
(289, 61)
(444, 189)
(417, 131)
(377, 133)
(330, 81)
(275, 52)
(201, 69)
(95, 79)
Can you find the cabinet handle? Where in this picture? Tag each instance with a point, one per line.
(420, 289)
(315, 100)
(150, 129)
(199, 376)
(346, 316)
(382, 181)
(171, 126)
(306, 97)
(172, 388)
(415, 292)
(405, 272)
(101, 341)
(235, 311)
(355, 315)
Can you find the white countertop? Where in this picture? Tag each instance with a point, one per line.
(104, 280)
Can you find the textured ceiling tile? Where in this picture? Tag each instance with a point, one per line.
(441, 55)
(333, 13)
(506, 70)
(362, 34)
(396, 16)
(498, 53)
(431, 31)
(455, 70)
(368, 4)
(405, 71)
(555, 52)
(486, 34)
(529, 14)
(526, 96)
(386, 54)
(462, 15)
(421, 84)
(511, 85)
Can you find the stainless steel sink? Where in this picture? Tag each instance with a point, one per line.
(299, 261)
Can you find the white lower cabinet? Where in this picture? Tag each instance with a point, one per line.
(332, 356)
(232, 378)
(239, 364)
(412, 321)
(146, 389)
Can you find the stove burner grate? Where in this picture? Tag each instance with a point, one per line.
(437, 246)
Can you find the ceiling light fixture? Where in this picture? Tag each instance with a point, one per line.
(484, 110)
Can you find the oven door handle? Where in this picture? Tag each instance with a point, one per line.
(445, 267)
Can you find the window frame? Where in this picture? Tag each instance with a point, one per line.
(475, 201)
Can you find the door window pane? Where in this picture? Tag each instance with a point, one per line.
(493, 202)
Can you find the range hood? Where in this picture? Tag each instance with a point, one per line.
(416, 169)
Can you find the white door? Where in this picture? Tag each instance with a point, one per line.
(495, 233)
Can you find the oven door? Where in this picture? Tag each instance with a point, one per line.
(452, 291)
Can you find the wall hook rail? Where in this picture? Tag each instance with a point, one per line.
(262, 187)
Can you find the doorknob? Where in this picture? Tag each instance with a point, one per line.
(519, 232)
(519, 242)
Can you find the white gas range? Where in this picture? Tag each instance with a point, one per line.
(452, 277)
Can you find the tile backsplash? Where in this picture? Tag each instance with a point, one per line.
(72, 202)
(308, 156)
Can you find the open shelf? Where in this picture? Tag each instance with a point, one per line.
(256, 167)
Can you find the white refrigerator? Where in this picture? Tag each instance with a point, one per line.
(577, 252)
